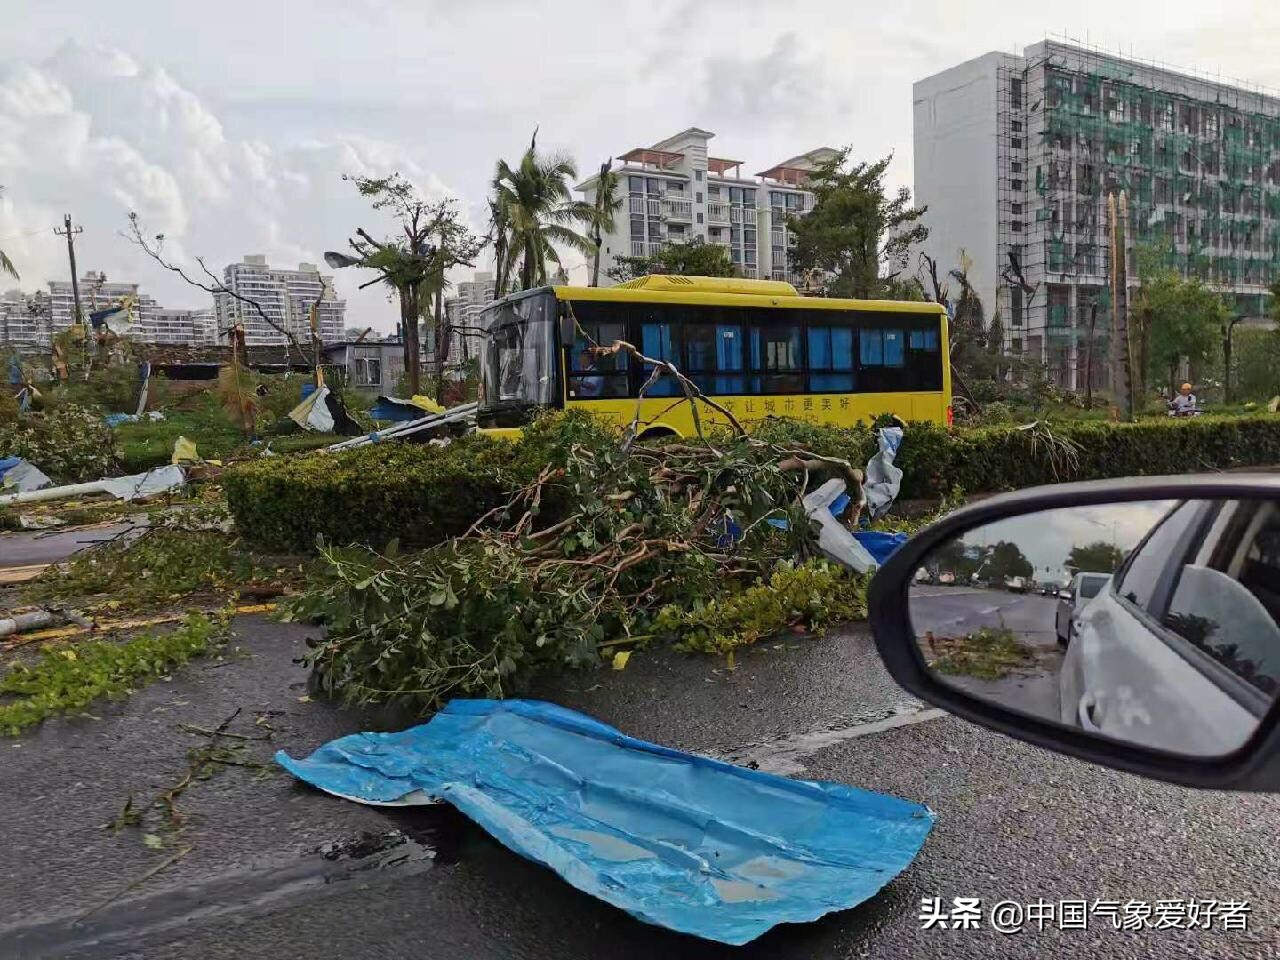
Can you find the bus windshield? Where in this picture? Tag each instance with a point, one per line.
(518, 353)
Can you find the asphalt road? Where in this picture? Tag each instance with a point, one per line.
(957, 611)
(953, 611)
(52, 546)
(276, 870)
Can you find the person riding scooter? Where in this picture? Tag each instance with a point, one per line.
(1184, 404)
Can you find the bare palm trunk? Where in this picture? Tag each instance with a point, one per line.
(409, 329)
(442, 342)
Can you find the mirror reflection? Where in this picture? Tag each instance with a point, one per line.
(1155, 622)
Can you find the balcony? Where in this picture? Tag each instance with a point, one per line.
(637, 205)
(656, 247)
(653, 207)
(717, 212)
(637, 248)
(735, 214)
(678, 209)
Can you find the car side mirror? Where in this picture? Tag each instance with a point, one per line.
(1170, 669)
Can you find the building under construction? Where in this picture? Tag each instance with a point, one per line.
(1016, 155)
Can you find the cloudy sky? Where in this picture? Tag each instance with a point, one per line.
(227, 126)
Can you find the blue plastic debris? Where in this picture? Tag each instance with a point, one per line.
(880, 544)
(677, 840)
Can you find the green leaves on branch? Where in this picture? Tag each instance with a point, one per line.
(69, 443)
(812, 595)
(70, 678)
(856, 227)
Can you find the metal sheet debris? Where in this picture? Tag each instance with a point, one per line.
(137, 486)
(21, 476)
(678, 840)
(883, 478)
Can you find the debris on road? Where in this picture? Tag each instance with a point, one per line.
(884, 480)
(677, 840)
(459, 416)
(322, 410)
(24, 622)
(137, 486)
(21, 476)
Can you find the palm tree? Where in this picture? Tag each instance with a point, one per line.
(607, 204)
(6, 265)
(534, 211)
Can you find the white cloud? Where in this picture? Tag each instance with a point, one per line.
(98, 133)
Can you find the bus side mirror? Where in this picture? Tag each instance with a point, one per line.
(568, 328)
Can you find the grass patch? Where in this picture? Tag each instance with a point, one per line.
(987, 654)
(70, 678)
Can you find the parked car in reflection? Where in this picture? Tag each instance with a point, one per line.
(1180, 649)
(1073, 598)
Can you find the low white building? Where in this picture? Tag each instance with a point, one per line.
(286, 297)
(675, 192)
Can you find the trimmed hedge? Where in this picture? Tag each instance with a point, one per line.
(417, 494)
(935, 460)
(421, 495)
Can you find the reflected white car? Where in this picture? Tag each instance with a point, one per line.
(1082, 589)
(1181, 650)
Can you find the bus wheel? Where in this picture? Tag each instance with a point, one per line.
(661, 434)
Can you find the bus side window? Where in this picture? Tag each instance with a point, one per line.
(830, 359)
(894, 352)
(657, 341)
(591, 375)
(871, 348)
(729, 365)
(776, 358)
(924, 370)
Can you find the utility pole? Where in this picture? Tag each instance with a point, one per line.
(70, 233)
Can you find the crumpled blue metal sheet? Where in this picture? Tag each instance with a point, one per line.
(677, 840)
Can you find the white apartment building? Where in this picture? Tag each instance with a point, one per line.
(285, 296)
(463, 309)
(675, 192)
(24, 320)
(96, 293)
(1015, 157)
(180, 325)
(32, 321)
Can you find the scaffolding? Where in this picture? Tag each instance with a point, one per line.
(1199, 161)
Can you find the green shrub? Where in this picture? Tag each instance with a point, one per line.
(69, 443)
(934, 459)
(416, 494)
(422, 495)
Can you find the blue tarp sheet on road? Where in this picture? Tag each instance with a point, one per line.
(677, 840)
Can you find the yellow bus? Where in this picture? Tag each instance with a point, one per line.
(756, 346)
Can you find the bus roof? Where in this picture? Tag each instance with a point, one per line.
(731, 291)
